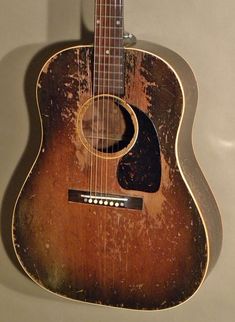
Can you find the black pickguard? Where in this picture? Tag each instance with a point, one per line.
(140, 168)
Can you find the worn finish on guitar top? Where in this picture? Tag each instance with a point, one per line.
(150, 259)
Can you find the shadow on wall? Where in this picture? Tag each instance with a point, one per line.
(73, 12)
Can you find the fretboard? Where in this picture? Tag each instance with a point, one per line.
(108, 47)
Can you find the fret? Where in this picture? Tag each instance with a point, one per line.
(110, 16)
(111, 64)
(105, 26)
(105, 46)
(108, 56)
(112, 47)
(105, 89)
(111, 50)
(106, 86)
(120, 73)
(119, 54)
(109, 2)
(109, 38)
(104, 79)
(117, 74)
(112, 74)
(109, 5)
(107, 34)
(101, 63)
(109, 74)
(116, 28)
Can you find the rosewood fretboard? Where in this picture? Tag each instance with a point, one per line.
(108, 47)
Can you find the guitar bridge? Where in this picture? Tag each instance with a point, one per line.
(105, 200)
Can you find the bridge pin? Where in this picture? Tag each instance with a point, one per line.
(95, 201)
(90, 200)
(116, 204)
(101, 202)
(122, 204)
(106, 202)
(111, 203)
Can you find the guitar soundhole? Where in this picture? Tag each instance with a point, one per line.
(107, 126)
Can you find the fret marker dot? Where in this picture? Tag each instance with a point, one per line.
(118, 22)
(98, 22)
(107, 52)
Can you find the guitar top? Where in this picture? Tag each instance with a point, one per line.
(115, 210)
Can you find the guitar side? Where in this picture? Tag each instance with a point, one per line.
(150, 259)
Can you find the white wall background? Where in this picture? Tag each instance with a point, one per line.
(202, 31)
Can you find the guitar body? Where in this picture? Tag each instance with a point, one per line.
(151, 256)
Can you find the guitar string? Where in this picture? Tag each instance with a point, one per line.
(114, 77)
(93, 96)
(121, 54)
(103, 101)
(109, 101)
(110, 118)
(97, 81)
(104, 221)
(107, 52)
(107, 20)
(119, 74)
(119, 82)
(97, 84)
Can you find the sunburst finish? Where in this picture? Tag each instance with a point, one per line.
(152, 258)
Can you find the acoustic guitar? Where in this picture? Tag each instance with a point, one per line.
(115, 210)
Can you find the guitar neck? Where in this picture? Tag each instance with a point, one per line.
(108, 47)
